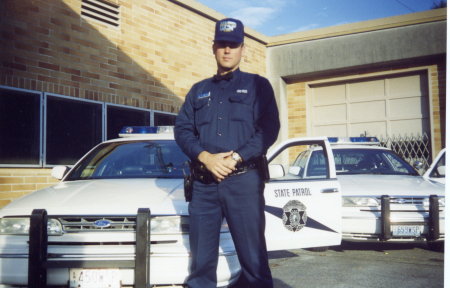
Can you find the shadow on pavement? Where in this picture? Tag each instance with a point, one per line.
(382, 246)
(277, 283)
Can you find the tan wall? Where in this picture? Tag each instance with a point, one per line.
(150, 61)
(15, 183)
(438, 93)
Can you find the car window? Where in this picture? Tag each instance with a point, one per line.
(438, 172)
(370, 161)
(301, 162)
(134, 159)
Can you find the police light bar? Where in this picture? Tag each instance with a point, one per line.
(129, 131)
(354, 140)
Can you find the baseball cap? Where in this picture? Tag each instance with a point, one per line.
(229, 29)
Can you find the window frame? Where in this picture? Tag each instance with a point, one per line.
(45, 116)
(43, 97)
(41, 136)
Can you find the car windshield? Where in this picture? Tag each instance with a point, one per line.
(369, 161)
(132, 159)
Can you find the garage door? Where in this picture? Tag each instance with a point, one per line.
(383, 106)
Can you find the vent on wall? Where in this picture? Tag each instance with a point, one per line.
(100, 10)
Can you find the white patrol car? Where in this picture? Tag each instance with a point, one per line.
(383, 197)
(118, 218)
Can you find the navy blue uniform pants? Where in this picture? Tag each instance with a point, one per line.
(240, 200)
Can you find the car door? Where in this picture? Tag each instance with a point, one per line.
(303, 196)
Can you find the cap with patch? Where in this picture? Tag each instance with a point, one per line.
(229, 30)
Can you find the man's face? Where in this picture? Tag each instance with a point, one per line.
(228, 55)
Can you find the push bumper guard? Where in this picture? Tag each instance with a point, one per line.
(38, 261)
(433, 218)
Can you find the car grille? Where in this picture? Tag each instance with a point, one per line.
(87, 224)
(409, 200)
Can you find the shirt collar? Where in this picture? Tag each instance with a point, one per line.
(226, 77)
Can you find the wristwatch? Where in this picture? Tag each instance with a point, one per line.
(236, 157)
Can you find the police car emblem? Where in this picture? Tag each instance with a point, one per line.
(294, 215)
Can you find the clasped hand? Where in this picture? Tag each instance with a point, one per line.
(219, 164)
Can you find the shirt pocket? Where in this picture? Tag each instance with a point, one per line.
(241, 107)
(202, 109)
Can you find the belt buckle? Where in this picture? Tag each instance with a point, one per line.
(239, 171)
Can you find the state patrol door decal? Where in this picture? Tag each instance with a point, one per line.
(294, 215)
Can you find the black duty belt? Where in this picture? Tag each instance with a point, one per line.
(243, 168)
(200, 173)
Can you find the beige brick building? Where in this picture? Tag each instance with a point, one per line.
(80, 69)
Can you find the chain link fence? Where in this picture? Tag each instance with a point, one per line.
(412, 148)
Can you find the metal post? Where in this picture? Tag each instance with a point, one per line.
(37, 257)
(433, 218)
(142, 261)
(385, 218)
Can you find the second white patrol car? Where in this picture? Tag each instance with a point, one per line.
(119, 216)
(383, 197)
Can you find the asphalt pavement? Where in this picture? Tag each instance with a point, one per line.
(361, 265)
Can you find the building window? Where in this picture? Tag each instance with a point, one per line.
(73, 127)
(43, 129)
(120, 116)
(20, 121)
(164, 119)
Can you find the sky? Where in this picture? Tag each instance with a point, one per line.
(276, 17)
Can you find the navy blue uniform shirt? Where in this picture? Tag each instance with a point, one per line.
(238, 114)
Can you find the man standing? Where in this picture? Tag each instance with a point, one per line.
(225, 127)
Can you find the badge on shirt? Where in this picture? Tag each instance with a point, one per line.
(204, 95)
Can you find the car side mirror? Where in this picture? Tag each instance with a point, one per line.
(441, 170)
(58, 172)
(276, 171)
(418, 165)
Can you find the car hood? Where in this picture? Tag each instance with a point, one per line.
(394, 185)
(104, 197)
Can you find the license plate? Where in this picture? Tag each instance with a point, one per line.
(407, 230)
(94, 278)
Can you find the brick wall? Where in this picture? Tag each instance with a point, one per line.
(150, 61)
(15, 183)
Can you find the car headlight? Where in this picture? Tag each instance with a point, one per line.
(21, 226)
(175, 225)
(169, 225)
(16, 226)
(441, 201)
(54, 227)
(360, 201)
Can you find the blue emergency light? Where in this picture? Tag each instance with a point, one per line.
(354, 140)
(139, 130)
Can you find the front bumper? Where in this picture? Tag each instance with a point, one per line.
(139, 259)
(378, 224)
(164, 269)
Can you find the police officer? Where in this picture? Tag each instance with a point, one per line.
(225, 127)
